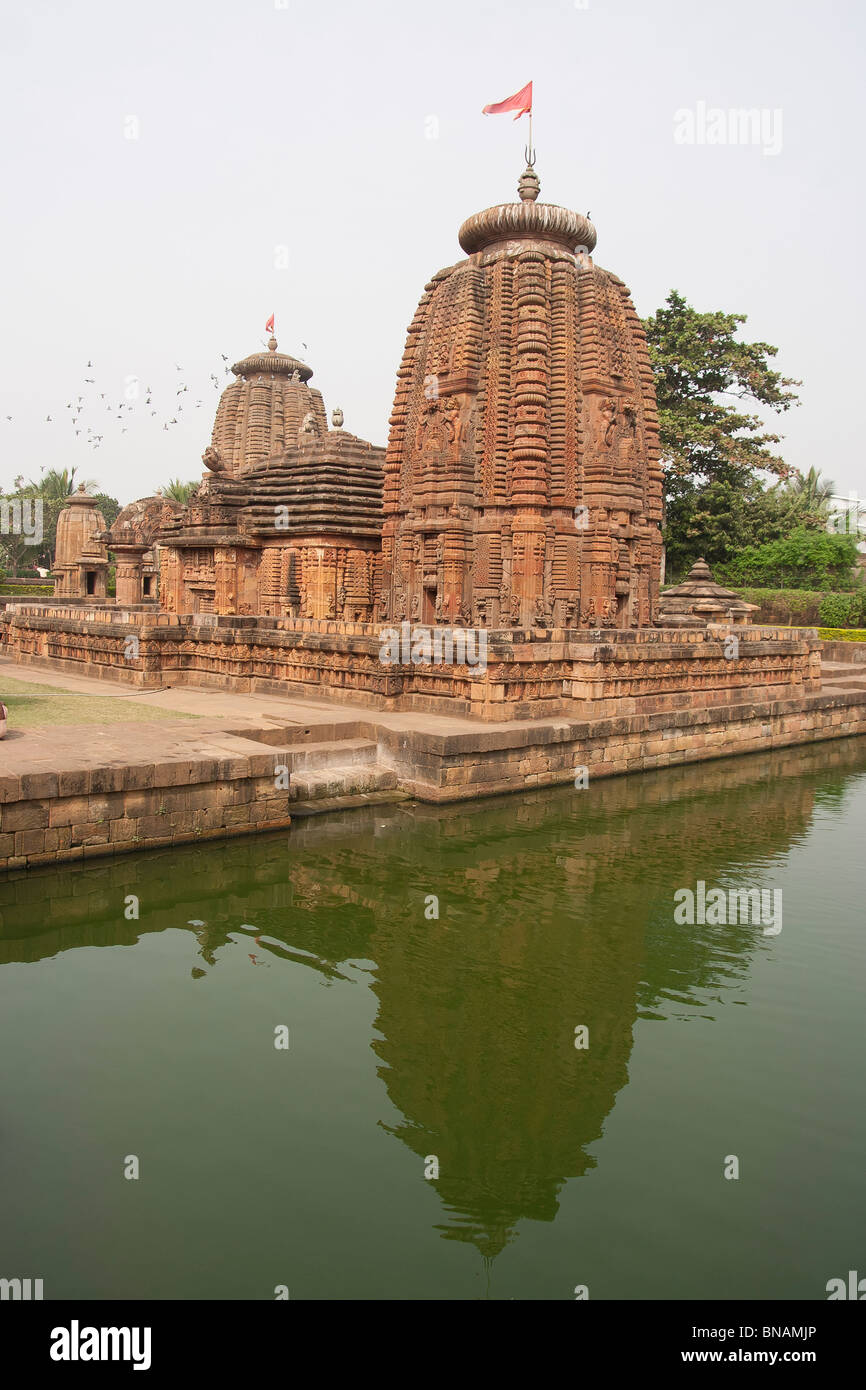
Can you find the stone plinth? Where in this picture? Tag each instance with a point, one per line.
(528, 673)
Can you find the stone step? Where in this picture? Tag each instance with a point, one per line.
(832, 688)
(313, 757)
(339, 781)
(301, 809)
(843, 690)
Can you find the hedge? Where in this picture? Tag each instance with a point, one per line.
(807, 607)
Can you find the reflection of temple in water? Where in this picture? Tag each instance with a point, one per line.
(555, 911)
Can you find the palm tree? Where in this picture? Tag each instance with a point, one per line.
(59, 483)
(811, 491)
(177, 491)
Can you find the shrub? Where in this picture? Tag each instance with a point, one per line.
(791, 607)
(806, 559)
(806, 607)
(841, 610)
(24, 590)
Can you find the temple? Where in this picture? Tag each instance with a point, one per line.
(498, 563)
(287, 522)
(80, 558)
(520, 489)
(522, 481)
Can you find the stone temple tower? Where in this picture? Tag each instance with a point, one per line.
(264, 411)
(80, 559)
(522, 482)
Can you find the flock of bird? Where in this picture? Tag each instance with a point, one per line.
(85, 412)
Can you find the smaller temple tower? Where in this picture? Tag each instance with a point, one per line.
(287, 522)
(80, 558)
(264, 411)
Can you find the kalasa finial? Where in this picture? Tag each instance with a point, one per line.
(529, 184)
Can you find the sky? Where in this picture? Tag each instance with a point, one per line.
(176, 171)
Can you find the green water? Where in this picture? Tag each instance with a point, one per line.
(412, 1036)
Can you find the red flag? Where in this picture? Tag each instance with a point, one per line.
(521, 102)
(269, 326)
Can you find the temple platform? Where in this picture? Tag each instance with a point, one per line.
(527, 674)
(250, 762)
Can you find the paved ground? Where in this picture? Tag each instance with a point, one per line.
(223, 721)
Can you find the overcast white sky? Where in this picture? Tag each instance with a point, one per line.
(265, 124)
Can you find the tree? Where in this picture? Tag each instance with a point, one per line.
(53, 490)
(59, 483)
(177, 490)
(811, 493)
(109, 506)
(713, 447)
(699, 368)
(805, 559)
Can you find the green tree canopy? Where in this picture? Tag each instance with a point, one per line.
(53, 489)
(178, 490)
(715, 447)
(723, 518)
(805, 559)
(704, 377)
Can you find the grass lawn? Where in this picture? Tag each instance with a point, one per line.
(33, 706)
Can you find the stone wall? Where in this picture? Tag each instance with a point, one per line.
(49, 817)
(529, 674)
(461, 766)
(854, 653)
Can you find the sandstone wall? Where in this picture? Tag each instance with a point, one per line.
(529, 673)
(58, 817)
